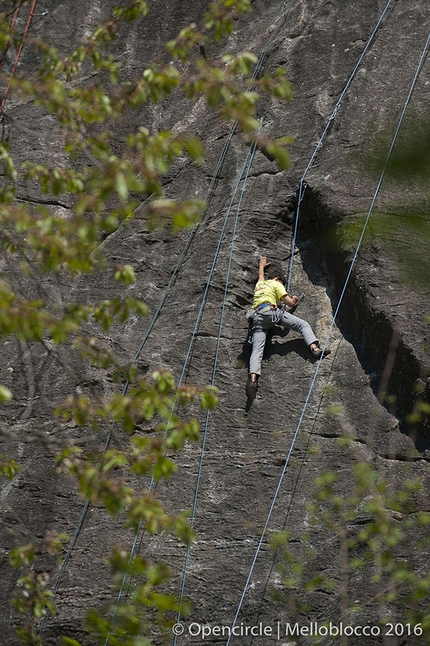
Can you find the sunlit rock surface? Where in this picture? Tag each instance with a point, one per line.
(379, 340)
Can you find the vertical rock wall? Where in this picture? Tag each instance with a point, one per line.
(245, 490)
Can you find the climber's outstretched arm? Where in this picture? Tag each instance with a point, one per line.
(262, 267)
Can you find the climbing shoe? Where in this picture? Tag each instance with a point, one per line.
(251, 388)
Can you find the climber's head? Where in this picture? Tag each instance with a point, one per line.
(274, 272)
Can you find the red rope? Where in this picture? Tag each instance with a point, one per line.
(12, 25)
(18, 54)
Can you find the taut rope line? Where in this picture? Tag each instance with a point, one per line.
(18, 54)
(381, 178)
(319, 144)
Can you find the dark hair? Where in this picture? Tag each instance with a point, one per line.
(274, 271)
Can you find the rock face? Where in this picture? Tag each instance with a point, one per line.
(379, 338)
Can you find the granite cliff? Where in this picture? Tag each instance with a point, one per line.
(352, 65)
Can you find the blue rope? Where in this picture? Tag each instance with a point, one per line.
(180, 261)
(218, 167)
(214, 177)
(185, 365)
(319, 144)
(417, 73)
(154, 319)
(250, 155)
(173, 277)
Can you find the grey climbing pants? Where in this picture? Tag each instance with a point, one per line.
(264, 321)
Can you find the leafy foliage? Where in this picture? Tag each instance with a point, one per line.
(375, 571)
(400, 228)
(410, 159)
(33, 597)
(402, 233)
(95, 189)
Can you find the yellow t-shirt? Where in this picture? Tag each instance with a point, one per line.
(268, 291)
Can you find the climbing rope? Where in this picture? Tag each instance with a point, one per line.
(18, 54)
(187, 245)
(381, 178)
(214, 179)
(243, 174)
(251, 153)
(136, 357)
(173, 278)
(331, 118)
(12, 25)
(170, 285)
(250, 158)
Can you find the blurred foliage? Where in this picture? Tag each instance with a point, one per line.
(402, 235)
(379, 578)
(410, 158)
(95, 189)
(400, 229)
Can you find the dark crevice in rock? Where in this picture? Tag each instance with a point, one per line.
(367, 328)
(337, 436)
(266, 173)
(398, 457)
(43, 202)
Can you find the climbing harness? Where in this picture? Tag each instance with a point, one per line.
(179, 264)
(352, 264)
(249, 160)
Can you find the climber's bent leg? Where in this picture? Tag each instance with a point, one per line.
(299, 325)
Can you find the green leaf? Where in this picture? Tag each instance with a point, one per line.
(280, 154)
(121, 186)
(5, 394)
(209, 398)
(195, 149)
(8, 468)
(125, 275)
(68, 641)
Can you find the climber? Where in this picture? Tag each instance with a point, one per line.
(265, 313)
